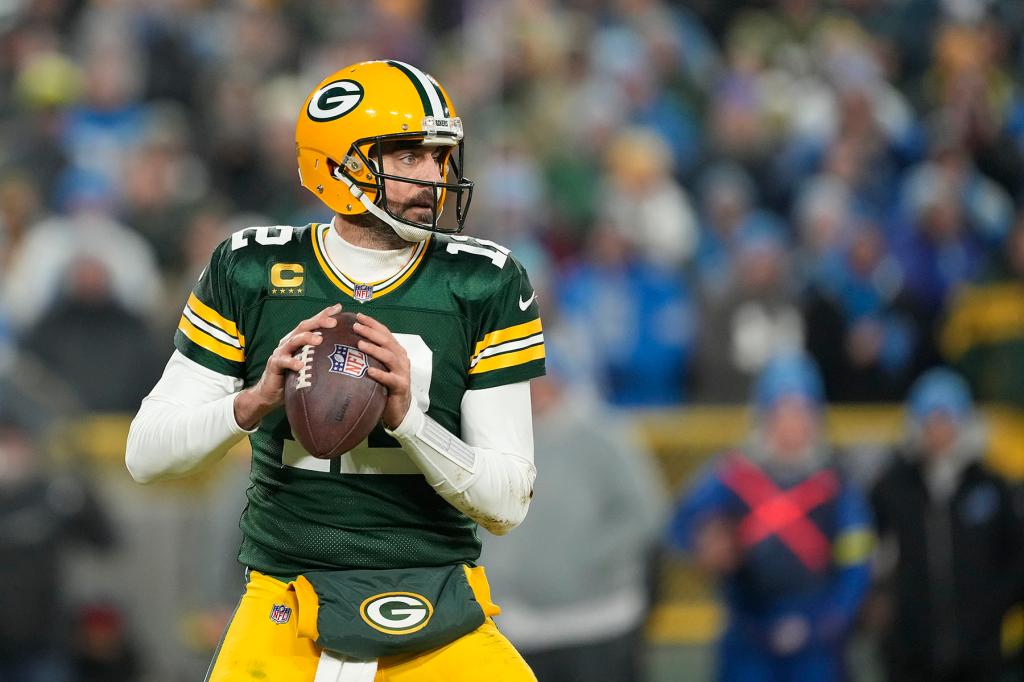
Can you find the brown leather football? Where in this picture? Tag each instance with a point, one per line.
(332, 403)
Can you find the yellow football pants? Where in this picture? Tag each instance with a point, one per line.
(255, 647)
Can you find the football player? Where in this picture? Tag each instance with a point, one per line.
(362, 567)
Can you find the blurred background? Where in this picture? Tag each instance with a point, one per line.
(694, 187)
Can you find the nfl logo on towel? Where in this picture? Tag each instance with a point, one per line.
(280, 614)
(362, 293)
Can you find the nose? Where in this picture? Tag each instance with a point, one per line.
(429, 168)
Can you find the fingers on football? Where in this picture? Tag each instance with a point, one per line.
(323, 320)
(381, 336)
(393, 382)
(387, 357)
(370, 322)
(296, 341)
(284, 357)
(279, 362)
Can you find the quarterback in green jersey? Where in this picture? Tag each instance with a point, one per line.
(363, 567)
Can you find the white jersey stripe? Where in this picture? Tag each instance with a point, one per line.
(507, 347)
(205, 326)
(349, 282)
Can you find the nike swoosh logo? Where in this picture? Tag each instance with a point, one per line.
(523, 305)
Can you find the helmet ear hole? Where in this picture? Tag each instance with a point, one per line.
(349, 167)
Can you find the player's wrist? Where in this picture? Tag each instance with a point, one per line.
(409, 425)
(251, 406)
(392, 420)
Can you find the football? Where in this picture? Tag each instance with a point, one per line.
(332, 403)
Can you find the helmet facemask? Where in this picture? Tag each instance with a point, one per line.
(363, 168)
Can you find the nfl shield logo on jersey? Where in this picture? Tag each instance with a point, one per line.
(362, 293)
(348, 360)
(280, 614)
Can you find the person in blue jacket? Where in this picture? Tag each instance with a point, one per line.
(786, 536)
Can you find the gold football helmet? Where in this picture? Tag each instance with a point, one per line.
(343, 123)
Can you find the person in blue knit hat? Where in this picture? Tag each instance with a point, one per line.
(787, 538)
(951, 545)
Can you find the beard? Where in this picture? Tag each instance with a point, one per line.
(382, 235)
(418, 209)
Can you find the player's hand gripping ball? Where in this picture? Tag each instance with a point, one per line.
(332, 403)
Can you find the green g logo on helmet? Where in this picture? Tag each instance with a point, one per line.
(334, 100)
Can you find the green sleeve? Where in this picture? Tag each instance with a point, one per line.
(208, 331)
(509, 340)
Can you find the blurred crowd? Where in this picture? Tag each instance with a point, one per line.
(693, 186)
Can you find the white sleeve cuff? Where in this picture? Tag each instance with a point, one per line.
(410, 425)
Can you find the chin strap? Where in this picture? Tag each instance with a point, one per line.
(406, 232)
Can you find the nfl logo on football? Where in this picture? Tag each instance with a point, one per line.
(348, 360)
(280, 614)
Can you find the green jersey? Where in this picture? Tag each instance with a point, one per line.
(467, 316)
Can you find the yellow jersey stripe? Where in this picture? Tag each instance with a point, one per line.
(210, 329)
(401, 280)
(853, 547)
(507, 347)
(509, 359)
(201, 338)
(319, 236)
(211, 316)
(508, 334)
(327, 269)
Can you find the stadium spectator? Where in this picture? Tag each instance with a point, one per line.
(19, 210)
(45, 84)
(858, 326)
(104, 651)
(785, 535)
(756, 317)
(984, 209)
(574, 578)
(983, 336)
(40, 261)
(92, 342)
(637, 320)
(970, 81)
(643, 202)
(99, 132)
(952, 546)
(728, 208)
(823, 217)
(40, 516)
(938, 250)
(161, 181)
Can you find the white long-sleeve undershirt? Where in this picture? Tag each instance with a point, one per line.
(187, 421)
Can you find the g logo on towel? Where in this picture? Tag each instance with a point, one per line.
(397, 613)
